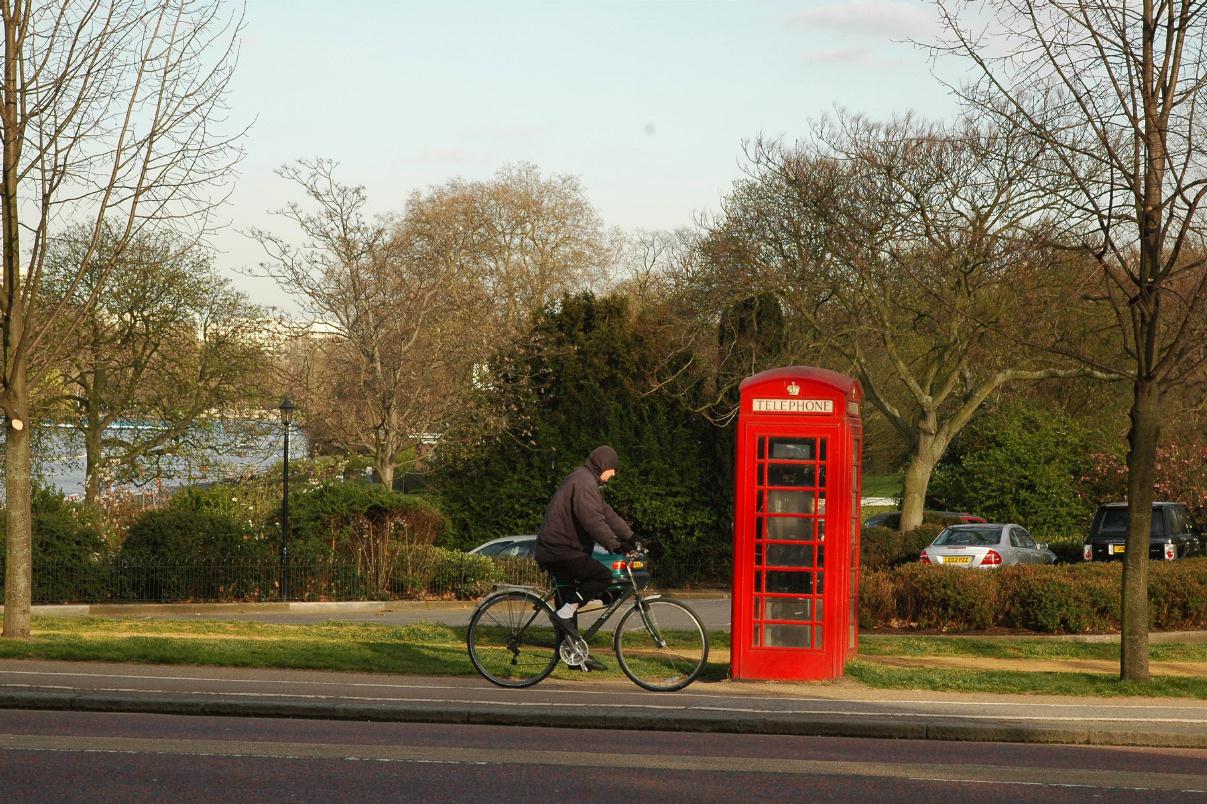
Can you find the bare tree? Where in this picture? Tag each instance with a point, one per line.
(1114, 91)
(895, 252)
(389, 331)
(109, 111)
(409, 309)
(527, 239)
(169, 345)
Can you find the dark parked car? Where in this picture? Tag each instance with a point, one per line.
(525, 546)
(891, 519)
(1172, 533)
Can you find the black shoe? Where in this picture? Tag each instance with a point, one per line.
(594, 664)
(567, 626)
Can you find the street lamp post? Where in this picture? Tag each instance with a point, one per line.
(286, 409)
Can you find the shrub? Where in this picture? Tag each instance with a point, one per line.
(362, 523)
(881, 548)
(1017, 464)
(413, 570)
(174, 554)
(70, 554)
(466, 576)
(254, 504)
(946, 597)
(189, 536)
(1067, 549)
(1177, 594)
(1047, 599)
(877, 600)
(1058, 600)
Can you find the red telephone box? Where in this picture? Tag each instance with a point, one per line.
(796, 525)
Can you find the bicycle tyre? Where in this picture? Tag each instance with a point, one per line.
(661, 668)
(511, 640)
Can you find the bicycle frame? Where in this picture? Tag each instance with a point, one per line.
(508, 659)
(633, 591)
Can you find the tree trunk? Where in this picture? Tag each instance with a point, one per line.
(18, 568)
(1141, 474)
(92, 467)
(385, 473)
(914, 484)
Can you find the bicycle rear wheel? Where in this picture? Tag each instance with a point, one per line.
(661, 644)
(511, 640)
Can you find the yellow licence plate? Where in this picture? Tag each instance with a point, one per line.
(638, 565)
(1118, 548)
(957, 559)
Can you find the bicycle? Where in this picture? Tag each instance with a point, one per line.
(660, 643)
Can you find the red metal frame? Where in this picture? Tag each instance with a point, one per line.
(796, 525)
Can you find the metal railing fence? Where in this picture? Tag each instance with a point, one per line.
(460, 576)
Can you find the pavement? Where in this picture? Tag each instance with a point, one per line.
(834, 708)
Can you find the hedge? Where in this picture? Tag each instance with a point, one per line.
(1060, 599)
(882, 548)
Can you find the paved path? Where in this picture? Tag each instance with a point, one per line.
(830, 709)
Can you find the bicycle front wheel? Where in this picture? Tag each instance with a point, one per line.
(511, 639)
(661, 644)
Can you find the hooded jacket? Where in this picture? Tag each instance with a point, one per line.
(578, 518)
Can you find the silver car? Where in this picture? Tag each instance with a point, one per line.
(986, 546)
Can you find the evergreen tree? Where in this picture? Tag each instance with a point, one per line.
(573, 383)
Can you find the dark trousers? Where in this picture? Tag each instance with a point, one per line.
(589, 578)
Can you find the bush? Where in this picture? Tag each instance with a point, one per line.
(1059, 600)
(1067, 550)
(1177, 594)
(878, 600)
(182, 554)
(945, 597)
(361, 523)
(881, 548)
(1083, 598)
(254, 504)
(1018, 464)
(465, 575)
(189, 536)
(70, 554)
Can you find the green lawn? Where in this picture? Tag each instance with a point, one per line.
(1022, 681)
(882, 485)
(437, 650)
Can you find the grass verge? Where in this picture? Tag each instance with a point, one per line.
(1022, 681)
(421, 649)
(439, 650)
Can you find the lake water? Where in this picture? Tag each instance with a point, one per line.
(58, 456)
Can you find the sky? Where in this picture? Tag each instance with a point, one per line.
(647, 102)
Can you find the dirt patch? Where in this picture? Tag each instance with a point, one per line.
(1189, 669)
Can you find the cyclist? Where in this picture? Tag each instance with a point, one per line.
(576, 520)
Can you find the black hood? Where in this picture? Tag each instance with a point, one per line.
(602, 459)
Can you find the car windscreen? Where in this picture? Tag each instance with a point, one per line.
(1115, 520)
(969, 536)
(494, 549)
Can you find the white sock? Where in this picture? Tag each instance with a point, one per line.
(567, 611)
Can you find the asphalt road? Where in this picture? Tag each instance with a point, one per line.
(117, 757)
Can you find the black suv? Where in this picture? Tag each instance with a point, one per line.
(1173, 534)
